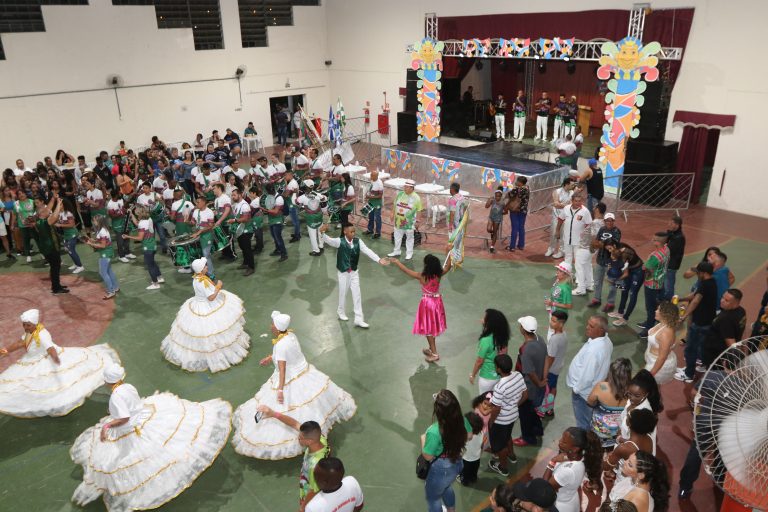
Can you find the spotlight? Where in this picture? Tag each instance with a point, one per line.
(542, 67)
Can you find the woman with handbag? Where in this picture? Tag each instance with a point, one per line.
(517, 206)
(441, 449)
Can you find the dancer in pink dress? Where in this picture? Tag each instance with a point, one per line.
(430, 317)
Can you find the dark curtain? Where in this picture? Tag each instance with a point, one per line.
(697, 150)
(455, 67)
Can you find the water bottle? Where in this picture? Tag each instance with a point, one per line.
(547, 307)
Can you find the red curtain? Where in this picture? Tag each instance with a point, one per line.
(697, 149)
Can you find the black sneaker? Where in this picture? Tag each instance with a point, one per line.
(275, 253)
(642, 334)
(313, 253)
(283, 257)
(293, 240)
(377, 235)
(60, 291)
(367, 232)
(495, 466)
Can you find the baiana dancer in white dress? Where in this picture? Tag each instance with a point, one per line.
(148, 450)
(296, 388)
(207, 333)
(50, 380)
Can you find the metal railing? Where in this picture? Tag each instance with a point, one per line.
(653, 192)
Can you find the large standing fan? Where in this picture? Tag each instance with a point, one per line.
(731, 422)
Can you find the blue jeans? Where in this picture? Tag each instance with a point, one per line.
(374, 221)
(69, 245)
(652, 298)
(276, 230)
(517, 238)
(108, 275)
(151, 264)
(632, 285)
(160, 230)
(669, 285)
(294, 214)
(694, 340)
(438, 486)
(282, 134)
(582, 411)
(592, 202)
(207, 255)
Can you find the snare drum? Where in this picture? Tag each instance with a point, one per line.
(220, 239)
(367, 209)
(184, 249)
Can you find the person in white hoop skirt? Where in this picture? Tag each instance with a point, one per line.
(207, 333)
(148, 450)
(50, 380)
(296, 388)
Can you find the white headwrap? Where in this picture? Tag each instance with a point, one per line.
(114, 373)
(31, 316)
(309, 183)
(199, 264)
(281, 320)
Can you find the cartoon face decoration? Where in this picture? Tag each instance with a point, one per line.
(629, 55)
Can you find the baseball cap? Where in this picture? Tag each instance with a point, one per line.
(592, 162)
(410, 182)
(537, 491)
(528, 323)
(610, 216)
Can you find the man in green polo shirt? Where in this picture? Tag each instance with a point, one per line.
(347, 257)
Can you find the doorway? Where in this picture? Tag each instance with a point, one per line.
(289, 104)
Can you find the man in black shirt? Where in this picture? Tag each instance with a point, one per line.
(702, 308)
(593, 179)
(676, 244)
(103, 172)
(727, 327)
(609, 232)
(543, 106)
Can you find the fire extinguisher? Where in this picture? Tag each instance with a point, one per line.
(367, 112)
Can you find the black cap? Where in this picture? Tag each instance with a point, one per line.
(537, 491)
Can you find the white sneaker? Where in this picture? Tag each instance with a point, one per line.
(78, 270)
(362, 325)
(701, 368)
(579, 292)
(153, 286)
(615, 314)
(408, 257)
(72, 267)
(548, 253)
(161, 279)
(558, 255)
(124, 259)
(343, 317)
(29, 259)
(394, 254)
(185, 271)
(619, 322)
(131, 256)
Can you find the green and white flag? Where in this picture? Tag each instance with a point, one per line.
(341, 117)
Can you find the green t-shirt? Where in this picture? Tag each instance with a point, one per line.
(307, 477)
(561, 293)
(656, 269)
(23, 210)
(433, 444)
(47, 239)
(487, 351)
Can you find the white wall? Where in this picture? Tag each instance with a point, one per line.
(719, 72)
(82, 45)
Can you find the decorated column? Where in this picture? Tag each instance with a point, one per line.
(427, 60)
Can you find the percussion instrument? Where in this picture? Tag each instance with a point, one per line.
(367, 209)
(220, 239)
(184, 249)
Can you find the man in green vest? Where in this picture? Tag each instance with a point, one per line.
(348, 255)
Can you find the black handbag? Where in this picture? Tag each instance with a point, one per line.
(417, 238)
(422, 466)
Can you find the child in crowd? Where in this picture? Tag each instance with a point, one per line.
(481, 405)
(495, 216)
(557, 346)
(560, 298)
(473, 450)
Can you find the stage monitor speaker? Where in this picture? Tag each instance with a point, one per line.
(411, 101)
(406, 127)
(654, 112)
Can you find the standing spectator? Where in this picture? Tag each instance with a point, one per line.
(283, 121)
(443, 444)
(609, 232)
(495, 218)
(608, 398)
(583, 254)
(557, 347)
(473, 450)
(102, 244)
(561, 198)
(508, 394)
(722, 274)
(593, 179)
(405, 219)
(297, 123)
(567, 151)
(530, 363)
(48, 240)
(588, 367)
(676, 244)
(630, 281)
(580, 455)
(517, 206)
(23, 220)
(654, 268)
(374, 196)
(727, 327)
(701, 311)
(338, 493)
(493, 341)
(572, 221)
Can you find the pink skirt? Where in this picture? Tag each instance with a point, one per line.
(430, 317)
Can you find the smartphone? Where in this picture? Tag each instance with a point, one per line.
(257, 417)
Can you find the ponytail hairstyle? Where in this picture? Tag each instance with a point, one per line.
(592, 452)
(654, 473)
(645, 381)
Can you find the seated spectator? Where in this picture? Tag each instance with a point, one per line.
(64, 159)
(250, 131)
(232, 139)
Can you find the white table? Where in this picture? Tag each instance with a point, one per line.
(447, 192)
(397, 183)
(354, 169)
(382, 176)
(429, 189)
(253, 143)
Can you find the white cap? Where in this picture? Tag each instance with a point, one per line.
(610, 216)
(281, 320)
(564, 266)
(114, 373)
(199, 264)
(528, 323)
(308, 183)
(31, 316)
(410, 183)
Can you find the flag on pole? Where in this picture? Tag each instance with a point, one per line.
(341, 117)
(331, 124)
(457, 240)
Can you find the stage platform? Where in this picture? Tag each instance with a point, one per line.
(478, 169)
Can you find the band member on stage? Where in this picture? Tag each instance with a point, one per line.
(347, 257)
(241, 223)
(570, 120)
(257, 217)
(561, 110)
(180, 213)
(313, 216)
(374, 196)
(222, 208)
(500, 117)
(273, 207)
(519, 126)
(204, 219)
(146, 236)
(543, 105)
(291, 188)
(404, 217)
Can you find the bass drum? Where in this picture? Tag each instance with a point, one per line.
(184, 249)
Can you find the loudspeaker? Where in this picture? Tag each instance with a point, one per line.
(406, 127)
(654, 112)
(411, 101)
(659, 154)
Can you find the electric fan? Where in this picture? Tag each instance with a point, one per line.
(731, 421)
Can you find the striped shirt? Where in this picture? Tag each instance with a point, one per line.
(506, 394)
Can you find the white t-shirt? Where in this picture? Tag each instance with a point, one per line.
(20, 172)
(557, 346)
(203, 217)
(474, 448)
(350, 192)
(195, 171)
(95, 195)
(256, 204)
(292, 186)
(147, 200)
(181, 209)
(159, 185)
(115, 208)
(125, 402)
(376, 186)
(568, 148)
(240, 173)
(241, 208)
(168, 195)
(563, 197)
(302, 160)
(569, 475)
(146, 226)
(46, 342)
(220, 202)
(345, 499)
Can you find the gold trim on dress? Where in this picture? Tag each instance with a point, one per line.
(69, 385)
(173, 340)
(224, 301)
(242, 314)
(301, 373)
(42, 357)
(184, 415)
(37, 376)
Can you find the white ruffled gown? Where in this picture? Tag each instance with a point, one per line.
(207, 334)
(36, 386)
(308, 394)
(165, 445)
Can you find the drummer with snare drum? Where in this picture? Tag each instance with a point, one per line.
(180, 214)
(154, 204)
(222, 207)
(204, 220)
(374, 196)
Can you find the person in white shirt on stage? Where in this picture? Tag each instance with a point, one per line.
(588, 367)
(338, 493)
(347, 257)
(405, 218)
(572, 221)
(520, 114)
(500, 117)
